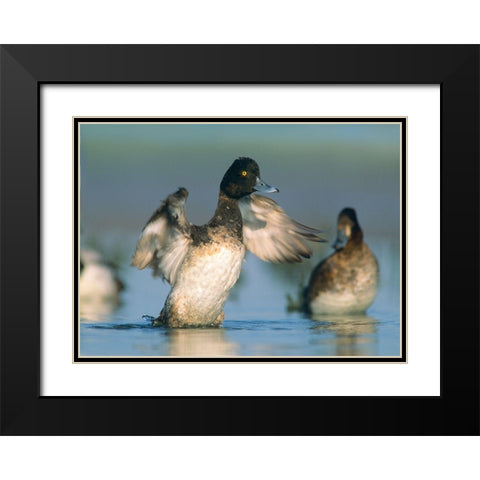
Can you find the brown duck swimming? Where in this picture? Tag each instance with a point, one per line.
(346, 282)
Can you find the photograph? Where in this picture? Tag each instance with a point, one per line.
(239, 239)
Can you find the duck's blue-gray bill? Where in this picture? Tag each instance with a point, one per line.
(263, 187)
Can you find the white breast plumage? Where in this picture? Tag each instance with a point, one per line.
(203, 283)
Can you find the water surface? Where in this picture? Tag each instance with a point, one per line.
(257, 322)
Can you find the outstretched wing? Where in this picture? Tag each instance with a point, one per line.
(165, 239)
(271, 234)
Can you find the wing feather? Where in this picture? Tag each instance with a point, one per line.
(165, 239)
(271, 234)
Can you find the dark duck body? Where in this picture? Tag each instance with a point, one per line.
(203, 263)
(346, 282)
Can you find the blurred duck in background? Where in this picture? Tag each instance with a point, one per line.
(346, 282)
(99, 286)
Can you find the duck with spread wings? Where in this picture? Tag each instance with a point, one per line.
(203, 263)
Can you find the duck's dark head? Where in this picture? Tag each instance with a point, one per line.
(348, 228)
(243, 178)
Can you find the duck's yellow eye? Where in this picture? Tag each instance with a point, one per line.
(244, 173)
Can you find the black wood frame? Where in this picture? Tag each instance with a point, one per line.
(24, 68)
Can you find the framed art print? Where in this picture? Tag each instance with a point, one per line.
(180, 234)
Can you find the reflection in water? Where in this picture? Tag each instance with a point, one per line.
(97, 309)
(354, 334)
(200, 342)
